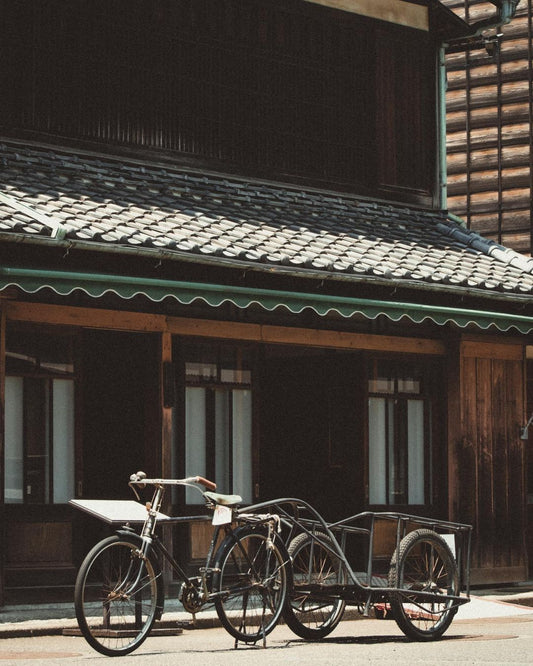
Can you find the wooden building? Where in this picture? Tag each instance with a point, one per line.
(224, 251)
(490, 137)
(489, 118)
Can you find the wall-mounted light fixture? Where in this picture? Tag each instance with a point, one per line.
(524, 431)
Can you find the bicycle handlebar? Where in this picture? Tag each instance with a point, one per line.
(139, 478)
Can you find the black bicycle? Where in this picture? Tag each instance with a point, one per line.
(119, 591)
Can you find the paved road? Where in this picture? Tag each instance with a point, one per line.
(503, 640)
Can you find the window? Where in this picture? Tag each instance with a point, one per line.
(399, 439)
(218, 420)
(39, 421)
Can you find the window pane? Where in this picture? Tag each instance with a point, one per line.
(381, 385)
(415, 453)
(14, 440)
(222, 442)
(377, 460)
(409, 385)
(36, 440)
(195, 430)
(242, 444)
(397, 436)
(63, 438)
(201, 371)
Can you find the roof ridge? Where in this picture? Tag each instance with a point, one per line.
(473, 239)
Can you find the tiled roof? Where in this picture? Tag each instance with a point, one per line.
(131, 204)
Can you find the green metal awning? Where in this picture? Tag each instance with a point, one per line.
(96, 285)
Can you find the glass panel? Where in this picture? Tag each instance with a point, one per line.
(222, 441)
(195, 439)
(377, 459)
(63, 439)
(36, 440)
(201, 371)
(409, 385)
(397, 428)
(234, 376)
(415, 453)
(242, 443)
(14, 440)
(381, 385)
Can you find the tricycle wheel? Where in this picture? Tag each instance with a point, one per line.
(309, 616)
(423, 562)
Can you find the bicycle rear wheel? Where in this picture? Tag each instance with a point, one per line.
(117, 596)
(313, 616)
(423, 562)
(251, 579)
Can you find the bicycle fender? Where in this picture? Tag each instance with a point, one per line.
(131, 535)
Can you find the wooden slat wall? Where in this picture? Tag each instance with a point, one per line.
(489, 117)
(487, 483)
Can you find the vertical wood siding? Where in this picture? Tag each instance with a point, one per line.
(487, 484)
(266, 87)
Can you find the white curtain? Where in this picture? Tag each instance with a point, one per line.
(377, 460)
(242, 443)
(63, 439)
(415, 452)
(14, 480)
(195, 431)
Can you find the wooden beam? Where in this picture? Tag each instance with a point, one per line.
(509, 352)
(267, 334)
(85, 317)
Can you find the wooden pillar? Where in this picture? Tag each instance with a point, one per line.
(3, 320)
(167, 403)
(167, 407)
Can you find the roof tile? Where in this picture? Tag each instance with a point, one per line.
(107, 200)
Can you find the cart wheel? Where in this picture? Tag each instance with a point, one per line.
(423, 562)
(308, 616)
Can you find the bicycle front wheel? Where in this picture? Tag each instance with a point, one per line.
(313, 615)
(423, 562)
(117, 595)
(251, 583)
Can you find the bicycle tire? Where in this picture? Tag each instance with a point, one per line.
(308, 617)
(251, 580)
(113, 618)
(424, 562)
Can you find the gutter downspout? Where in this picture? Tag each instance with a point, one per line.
(506, 12)
(504, 15)
(441, 124)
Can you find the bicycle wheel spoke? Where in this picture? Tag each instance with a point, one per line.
(252, 585)
(116, 597)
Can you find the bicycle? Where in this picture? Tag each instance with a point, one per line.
(119, 592)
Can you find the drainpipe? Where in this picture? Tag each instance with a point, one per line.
(441, 124)
(506, 11)
(504, 15)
